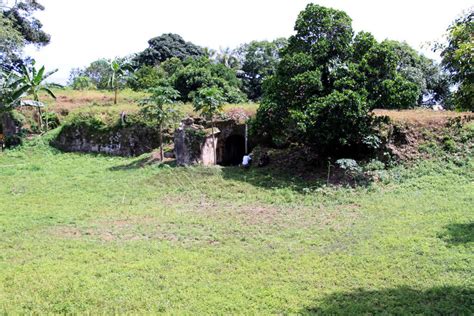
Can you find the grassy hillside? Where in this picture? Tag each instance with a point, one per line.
(92, 233)
(68, 101)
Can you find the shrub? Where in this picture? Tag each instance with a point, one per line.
(51, 120)
(449, 144)
(145, 78)
(82, 83)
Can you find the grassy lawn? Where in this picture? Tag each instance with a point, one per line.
(92, 233)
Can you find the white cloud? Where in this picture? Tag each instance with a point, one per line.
(83, 31)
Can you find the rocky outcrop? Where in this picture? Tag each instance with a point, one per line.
(126, 141)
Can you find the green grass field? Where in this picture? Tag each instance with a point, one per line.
(92, 233)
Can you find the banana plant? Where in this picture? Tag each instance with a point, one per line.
(119, 70)
(11, 91)
(33, 82)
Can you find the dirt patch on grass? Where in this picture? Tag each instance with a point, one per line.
(134, 229)
(262, 216)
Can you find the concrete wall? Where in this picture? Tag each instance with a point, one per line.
(193, 142)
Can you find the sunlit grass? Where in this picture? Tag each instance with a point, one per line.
(70, 101)
(85, 233)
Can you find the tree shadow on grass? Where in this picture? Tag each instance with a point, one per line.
(272, 178)
(303, 181)
(399, 301)
(457, 234)
(144, 162)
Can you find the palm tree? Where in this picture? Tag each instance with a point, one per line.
(209, 102)
(118, 71)
(227, 57)
(32, 81)
(159, 107)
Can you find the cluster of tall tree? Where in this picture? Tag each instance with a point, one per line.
(171, 61)
(328, 81)
(458, 59)
(325, 55)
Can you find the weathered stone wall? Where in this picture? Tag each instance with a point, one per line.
(126, 141)
(11, 128)
(194, 142)
(189, 139)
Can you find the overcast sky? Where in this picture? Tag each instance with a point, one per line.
(83, 31)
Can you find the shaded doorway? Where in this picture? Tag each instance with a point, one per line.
(234, 150)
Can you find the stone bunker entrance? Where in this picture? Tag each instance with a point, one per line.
(193, 142)
(233, 149)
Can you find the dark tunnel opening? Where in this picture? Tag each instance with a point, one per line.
(234, 150)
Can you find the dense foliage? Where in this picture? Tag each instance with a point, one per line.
(458, 59)
(159, 108)
(329, 80)
(189, 76)
(258, 60)
(11, 43)
(19, 28)
(203, 72)
(166, 46)
(301, 102)
(99, 74)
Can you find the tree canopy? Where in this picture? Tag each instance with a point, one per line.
(165, 47)
(458, 59)
(11, 43)
(188, 76)
(19, 28)
(258, 60)
(328, 81)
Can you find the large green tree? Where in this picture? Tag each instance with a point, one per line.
(391, 74)
(258, 59)
(197, 73)
(301, 103)
(19, 27)
(458, 59)
(166, 46)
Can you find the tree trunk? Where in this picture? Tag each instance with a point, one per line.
(161, 143)
(40, 119)
(213, 142)
(116, 93)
